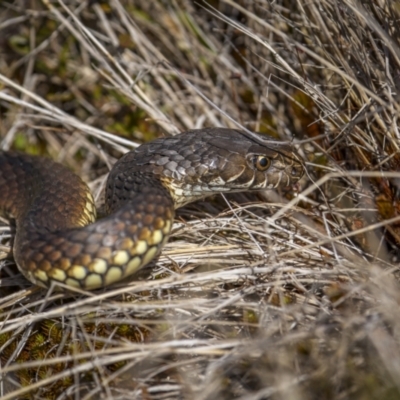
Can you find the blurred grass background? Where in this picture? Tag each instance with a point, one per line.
(271, 296)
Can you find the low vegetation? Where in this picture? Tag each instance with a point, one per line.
(290, 295)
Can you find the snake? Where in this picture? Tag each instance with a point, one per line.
(58, 239)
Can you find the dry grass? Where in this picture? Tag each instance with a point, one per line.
(269, 296)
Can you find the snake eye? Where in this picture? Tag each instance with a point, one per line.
(262, 163)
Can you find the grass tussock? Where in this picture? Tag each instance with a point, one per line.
(270, 296)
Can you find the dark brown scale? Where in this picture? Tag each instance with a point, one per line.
(56, 240)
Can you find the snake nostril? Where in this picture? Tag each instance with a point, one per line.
(296, 171)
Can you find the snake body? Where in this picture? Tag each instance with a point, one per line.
(57, 238)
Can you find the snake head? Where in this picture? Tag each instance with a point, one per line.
(199, 163)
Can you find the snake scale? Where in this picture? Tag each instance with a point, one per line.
(57, 238)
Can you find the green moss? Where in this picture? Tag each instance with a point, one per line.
(44, 344)
(19, 44)
(23, 144)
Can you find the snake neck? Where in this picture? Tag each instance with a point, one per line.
(124, 187)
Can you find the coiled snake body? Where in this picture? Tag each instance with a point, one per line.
(57, 238)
